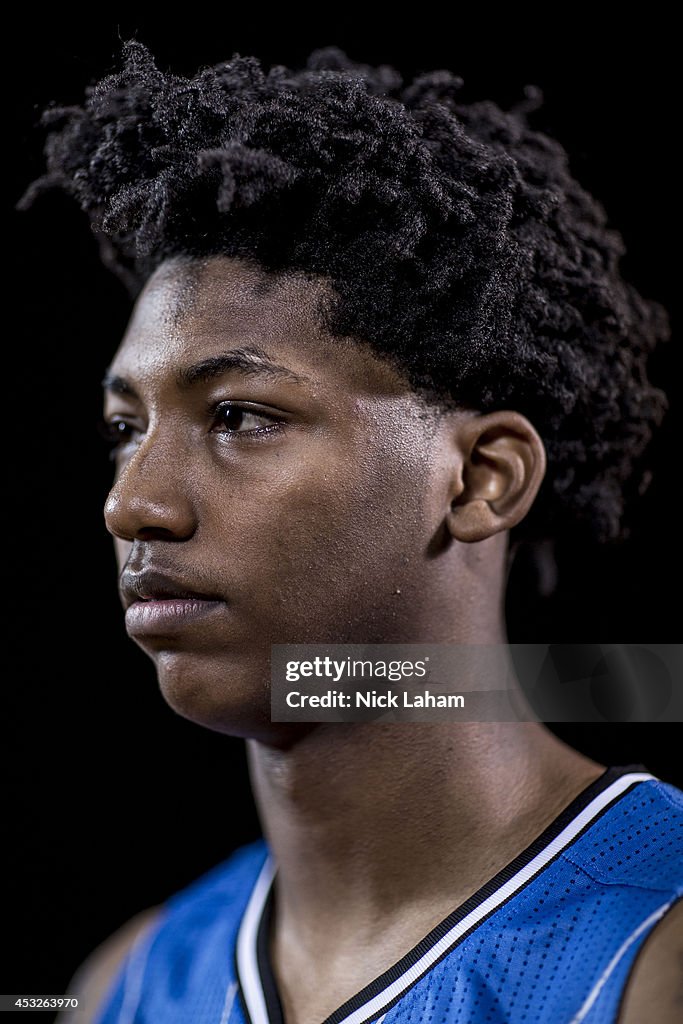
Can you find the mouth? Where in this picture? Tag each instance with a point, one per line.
(153, 586)
(157, 603)
(169, 614)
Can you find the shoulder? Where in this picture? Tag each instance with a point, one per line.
(223, 888)
(636, 842)
(93, 978)
(653, 836)
(218, 889)
(654, 990)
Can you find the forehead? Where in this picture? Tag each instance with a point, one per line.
(192, 309)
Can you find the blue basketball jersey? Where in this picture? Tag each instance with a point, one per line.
(551, 938)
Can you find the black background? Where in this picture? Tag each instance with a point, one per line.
(111, 801)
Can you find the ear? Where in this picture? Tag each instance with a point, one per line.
(502, 464)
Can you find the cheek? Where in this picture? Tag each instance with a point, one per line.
(318, 528)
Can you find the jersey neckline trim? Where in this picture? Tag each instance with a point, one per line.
(257, 986)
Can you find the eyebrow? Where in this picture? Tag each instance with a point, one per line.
(250, 361)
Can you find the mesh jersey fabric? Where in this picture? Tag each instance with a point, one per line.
(551, 938)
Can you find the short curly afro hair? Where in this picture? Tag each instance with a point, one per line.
(458, 244)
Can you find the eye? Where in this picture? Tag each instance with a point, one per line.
(240, 418)
(115, 433)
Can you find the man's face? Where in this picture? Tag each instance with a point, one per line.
(299, 501)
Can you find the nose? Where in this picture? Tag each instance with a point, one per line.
(150, 497)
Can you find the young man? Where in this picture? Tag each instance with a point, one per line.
(379, 336)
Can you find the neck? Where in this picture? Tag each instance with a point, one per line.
(356, 813)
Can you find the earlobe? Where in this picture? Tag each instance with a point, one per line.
(503, 464)
(472, 521)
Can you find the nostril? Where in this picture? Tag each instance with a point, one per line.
(155, 533)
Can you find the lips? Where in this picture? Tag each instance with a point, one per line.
(160, 606)
(154, 585)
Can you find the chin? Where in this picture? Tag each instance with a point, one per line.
(221, 694)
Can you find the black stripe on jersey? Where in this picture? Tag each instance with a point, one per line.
(270, 992)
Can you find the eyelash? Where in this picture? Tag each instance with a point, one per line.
(112, 433)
